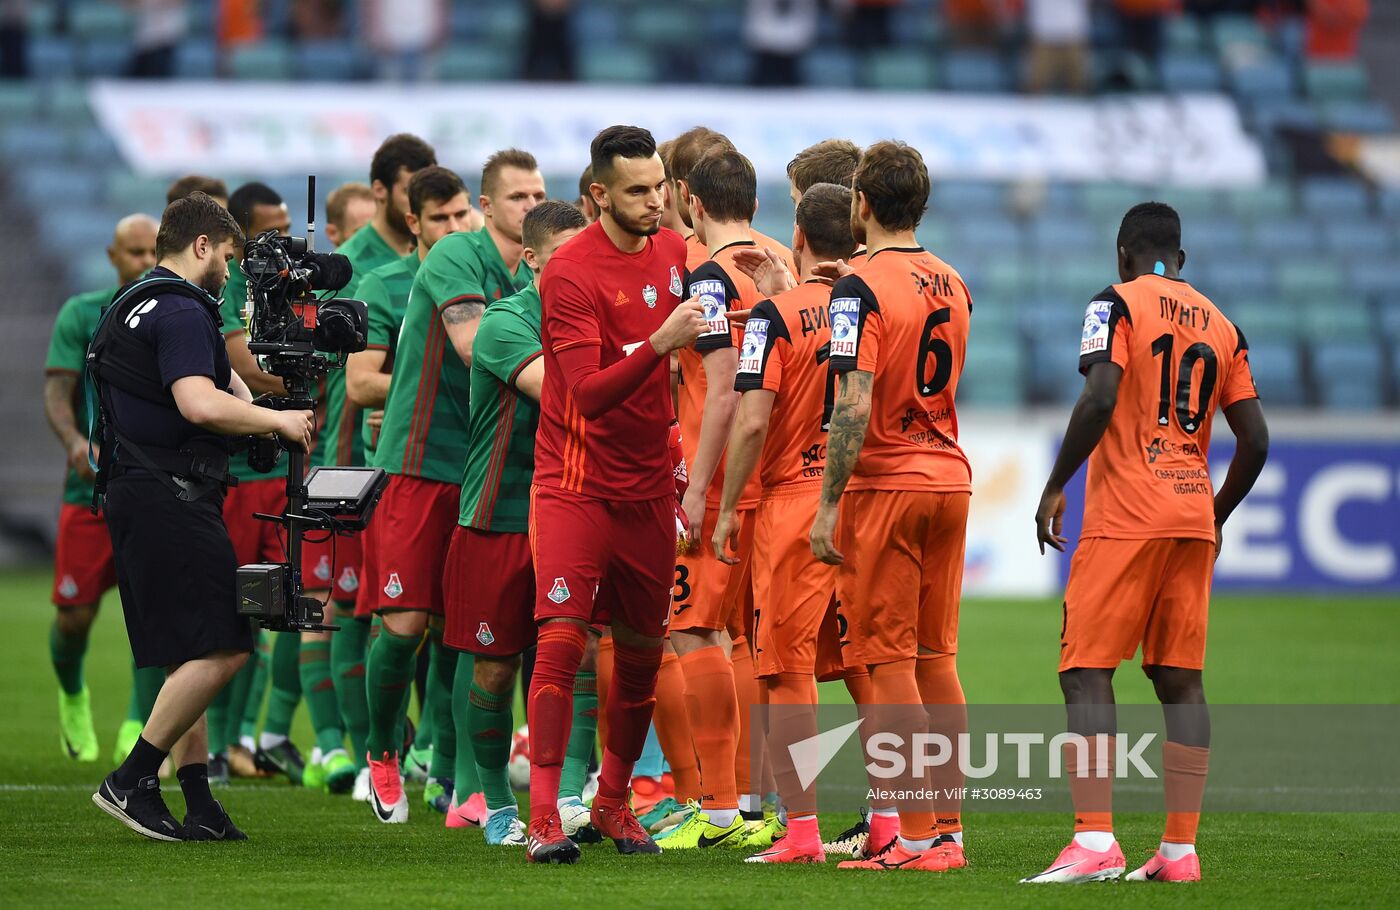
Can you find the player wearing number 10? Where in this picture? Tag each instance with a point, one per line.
(1159, 359)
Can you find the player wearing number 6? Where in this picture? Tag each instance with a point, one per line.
(1159, 359)
(898, 340)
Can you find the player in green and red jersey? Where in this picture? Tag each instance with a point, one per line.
(83, 567)
(491, 614)
(329, 566)
(422, 445)
(438, 205)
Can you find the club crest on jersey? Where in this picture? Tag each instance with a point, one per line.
(483, 634)
(755, 340)
(68, 587)
(845, 326)
(1095, 337)
(675, 282)
(559, 592)
(394, 588)
(712, 302)
(348, 580)
(649, 295)
(323, 569)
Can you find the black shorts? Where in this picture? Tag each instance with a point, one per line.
(176, 572)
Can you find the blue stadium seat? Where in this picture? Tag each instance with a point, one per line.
(1321, 285)
(34, 141)
(1185, 35)
(728, 65)
(1285, 237)
(1111, 200)
(1259, 319)
(721, 25)
(96, 19)
(1388, 200)
(1348, 236)
(268, 59)
(994, 372)
(505, 22)
(74, 228)
(1073, 278)
(1269, 114)
(104, 57)
(196, 58)
(1341, 319)
(1049, 320)
(95, 150)
(936, 234)
(900, 68)
(1052, 232)
(1269, 200)
(1237, 33)
(996, 234)
(127, 192)
(52, 57)
(92, 269)
(1190, 73)
(1388, 318)
(1332, 81)
(829, 66)
(1375, 278)
(1192, 203)
(67, 103)
(596, 23)
(325, 61)
(663, 24)
(1053, 368)
(476, 63)
(1357, 117)
(959, 198)
(1278, 373)
(467, 24)
(41, 184)
(1210, 237)
(915, 25)
(1237, 276)
(19, 100)
(1349, 375)
(1267, 78)
(1004, 281)
(617, 64)
(976, 71)
(1330, 197)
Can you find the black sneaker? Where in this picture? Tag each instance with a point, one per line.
(140, 808)
(218, 770)
(214, 825)
(283, 758)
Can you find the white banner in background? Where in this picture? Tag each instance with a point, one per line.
(165, 128)
(1010, 462)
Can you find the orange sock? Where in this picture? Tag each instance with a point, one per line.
(673, 728)
(746, 695)
(1092, 794)
(714, 723)
(900, 710)
(858, 684)
(605, 675)
(942, 693)
(792, 699)
(1184, 780)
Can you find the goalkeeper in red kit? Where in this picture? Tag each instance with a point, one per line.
(603, 503)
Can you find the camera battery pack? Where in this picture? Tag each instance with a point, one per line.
(262, 590)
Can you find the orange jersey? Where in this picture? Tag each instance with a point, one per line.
(697, 254)
(721, 287)
(903, 316)
(1181, 360)
(785, 349)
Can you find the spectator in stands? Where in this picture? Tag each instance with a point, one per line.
(14, 39)
(405, 34)
(349, 207)
(1058, 31)
(318, 20)
(778, 33)
(868, 22)
(549, 52)
(160, 26)
(978, 23)
(238, 22)
(1140, 26)
(1334, 27)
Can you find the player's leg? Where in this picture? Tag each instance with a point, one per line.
(1173, 655)
(205, 818)
(671, 719)
(78, 586)
(276, 753)
(442, 670)
(582, 745)
(145, 686)
(331, 767)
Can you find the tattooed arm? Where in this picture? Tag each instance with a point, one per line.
(849, 419)
(461, 319)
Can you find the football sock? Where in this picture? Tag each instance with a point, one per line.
(916, 844)
(901, 711)
(286, 684)
(1092, 793)
(423, 737)
(348, 675)
(194, 783)
(943, 697)
(1175, 851)
(652, 762)
(884, 827)
(1098, 841)
(145, 686)
(490, 726)
(315, 671)
(247, 719)
(714, 723)
(443, 672)
(217, 715)
(630, 705)
(746, 696)
(1184, 780)
(142, 761)
(605, 672)
(672, 721)
(581, 738)
(388, 674)
(550, 710)
(804, 832)
(67, 653)
(792, 717)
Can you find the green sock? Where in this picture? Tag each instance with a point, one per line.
(145, 686)
(286, 684)
(348, 673)
(443, 666)
(580, 749)
(67, 655)
(315, 669)
(247, 719)
(388, 672)
(423, 737)
(491, 727)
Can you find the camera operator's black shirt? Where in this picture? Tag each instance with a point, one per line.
(185, 336)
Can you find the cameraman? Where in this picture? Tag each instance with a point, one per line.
(169, 398)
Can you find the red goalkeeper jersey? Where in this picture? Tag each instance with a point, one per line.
(595, 295)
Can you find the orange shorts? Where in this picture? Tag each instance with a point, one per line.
(708, 593)
(1122, 593)
(901, 582)
(738, 605)
(795, 621)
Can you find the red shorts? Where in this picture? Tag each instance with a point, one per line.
(83, 569)
(489, 593)
(255, 540)
(333, 563)
(367, 597)
(412, 530)
(601, 560)
(1122, 593)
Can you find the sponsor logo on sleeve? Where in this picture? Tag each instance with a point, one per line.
(713, 302)
(1095, 336)
(845, 326)
(755, 341)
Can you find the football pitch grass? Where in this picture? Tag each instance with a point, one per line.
(308, 849)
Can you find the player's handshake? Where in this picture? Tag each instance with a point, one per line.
(685, 324)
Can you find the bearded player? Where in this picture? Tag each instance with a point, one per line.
(603, 515)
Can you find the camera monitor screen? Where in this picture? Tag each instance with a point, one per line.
(340, 484)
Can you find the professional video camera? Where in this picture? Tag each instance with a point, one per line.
(298, 337)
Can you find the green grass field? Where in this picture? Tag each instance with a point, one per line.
(308, 849)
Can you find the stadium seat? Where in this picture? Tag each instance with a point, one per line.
(33, 141)
(267, 59)
(1321, 285)
(1348, 236)
(829, 66)
(1192, 203)
(1357, 117)
(52, 57)
(1285, 236)
(127, 192)
(1265, 78)
(19, 100)
(1278, 373)
(1185, 35)
(104, 56)
(95, 150)
(1003, 282)
(976, 71)
(594, 23)
(476, 63)
(1210, 237)
(959, 198)
(1073, 279)
(98, 19)
(617, 63)
(1375, 278)
(1053, 368)
(1388, 319)
(505, 22)
(994, 372)
(1269, 114)
(1235, 276)
(1349, 375)
(915, 25)
(67, 103)
(1111, 200)
(196, 58)
(40, 184)
(1261, 319)
(1190, 73)
(936, 233)
(725, 66)
(663, 24)
(1332, 81)
(993, 234)
(1267, 201)
(1342, 319)
(92, 269)
(325, 61)
(1051, 232)
(1237, 35)
(1330, 197)
(900, 68)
